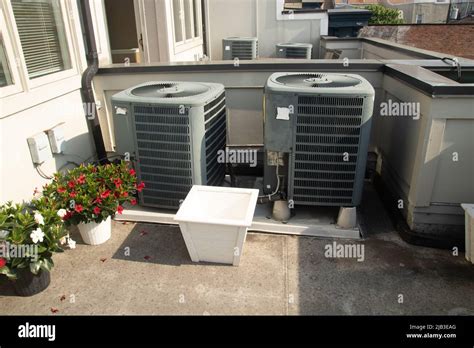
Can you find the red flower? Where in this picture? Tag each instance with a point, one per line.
(105, 194)
(132, 171)
(96, 210)
(140, 186)
(97, 200)
(71, 184)
(117, 183)
(3, 262)
(68, 215)
(125, 194)
(61, 190)
(78, 208)
(133, 202)
(82, 179)
(73, 194)
(119, 209)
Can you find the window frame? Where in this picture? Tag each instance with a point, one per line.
(195, 41)
(49, 78)
(17, 85)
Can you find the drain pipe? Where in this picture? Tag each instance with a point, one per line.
(86, 81)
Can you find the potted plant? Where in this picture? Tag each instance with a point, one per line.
(90, 195)
(29, 236)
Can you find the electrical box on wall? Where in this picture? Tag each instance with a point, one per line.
(39, 148)
(56, 138)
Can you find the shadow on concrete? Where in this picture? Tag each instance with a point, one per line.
(156, 243)
(151, 243)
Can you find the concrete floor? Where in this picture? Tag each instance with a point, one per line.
(278, 275)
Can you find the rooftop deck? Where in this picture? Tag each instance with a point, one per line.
(279, 274)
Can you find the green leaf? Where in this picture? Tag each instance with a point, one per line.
(47, 264)
(36, 266)
(5, 270)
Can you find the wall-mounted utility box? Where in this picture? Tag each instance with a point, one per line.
(56, 138)
(39, 148)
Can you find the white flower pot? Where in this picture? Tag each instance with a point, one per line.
(214, 222)
(93, 233)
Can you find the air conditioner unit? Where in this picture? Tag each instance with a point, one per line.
(173, 131)
(244, 48)
(294, 50)
(317, 129)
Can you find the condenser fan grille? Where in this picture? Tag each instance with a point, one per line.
(169, 90)
(317, 80)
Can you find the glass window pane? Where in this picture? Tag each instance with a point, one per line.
(188, 19)
(178, 31)
(197, 22)
(42, 36)
(5, 75)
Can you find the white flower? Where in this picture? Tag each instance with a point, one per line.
(39, 218)
(4, 234)
(71, 243)
(37, 235)
(61, 213)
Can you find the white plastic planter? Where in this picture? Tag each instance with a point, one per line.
(93, 233)
(469, 213)
(214, 222)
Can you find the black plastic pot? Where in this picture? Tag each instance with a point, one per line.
(29, 284)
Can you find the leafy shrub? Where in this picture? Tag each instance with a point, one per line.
(93, 193)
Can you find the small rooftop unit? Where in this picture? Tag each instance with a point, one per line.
(243, 48)
(294, 50)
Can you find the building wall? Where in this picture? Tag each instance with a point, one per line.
(18, 176)
(431, 12)
(453, 40)
(36, 109)
(258, 18)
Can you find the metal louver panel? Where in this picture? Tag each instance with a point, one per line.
(326, 128)
(215, 139)
(38, 30)
(297, 52)
(244, 50)
(164, 154)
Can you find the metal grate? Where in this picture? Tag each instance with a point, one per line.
(298, 52)
(164, 154)
(326, 149)
(215, 139)
(244, 50)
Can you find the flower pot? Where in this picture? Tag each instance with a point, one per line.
(94, 233)
(29, 284)
(214, 222)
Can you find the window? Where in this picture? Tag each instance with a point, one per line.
(42, 36)
(6, 78)
(178, 17)
(10, 82)
(419, 19)
(187, 21)
(303, 6)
